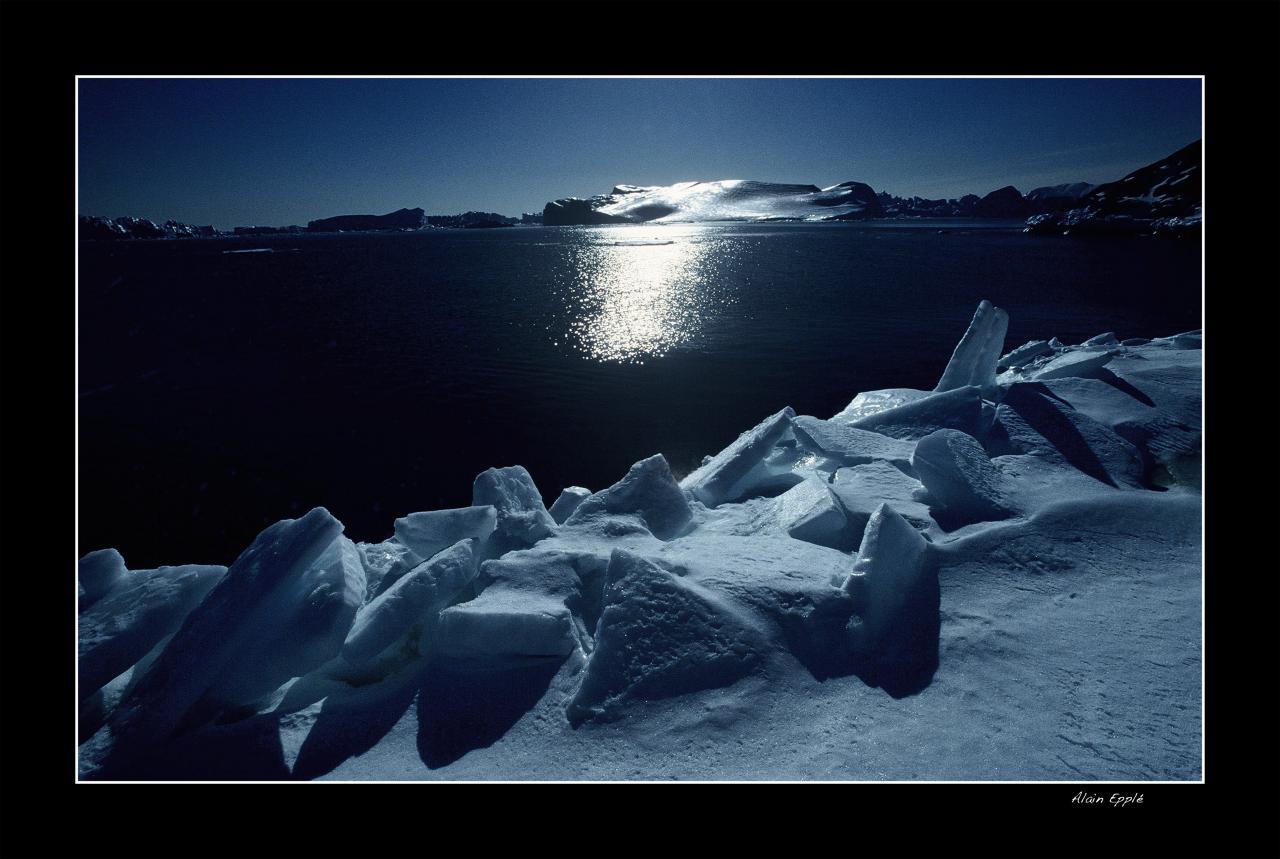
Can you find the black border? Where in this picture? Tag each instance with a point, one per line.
(45, 44)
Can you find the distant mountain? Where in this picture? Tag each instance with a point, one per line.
(1169, 188)
(401, 219)
(1006, 202)
(471, 220)
(722, 200)
(1163, 197)
(921, 207)
(138, 228)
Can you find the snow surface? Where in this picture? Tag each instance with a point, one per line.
(999, 579)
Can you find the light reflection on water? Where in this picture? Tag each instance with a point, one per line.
(638, 293)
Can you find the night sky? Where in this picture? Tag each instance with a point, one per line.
(232, 152)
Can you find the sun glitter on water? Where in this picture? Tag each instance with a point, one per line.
(638, 293)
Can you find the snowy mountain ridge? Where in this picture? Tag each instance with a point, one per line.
(1161, 198)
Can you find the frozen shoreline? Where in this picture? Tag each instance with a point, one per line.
(996, 579)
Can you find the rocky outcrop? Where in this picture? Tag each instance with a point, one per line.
(1006, 202)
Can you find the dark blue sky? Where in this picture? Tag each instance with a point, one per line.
(279, 151)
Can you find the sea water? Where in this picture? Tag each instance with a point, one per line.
(228, 383)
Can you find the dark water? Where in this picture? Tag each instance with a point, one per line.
(378, 374)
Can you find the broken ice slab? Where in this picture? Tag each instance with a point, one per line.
(975, 357)
(719, 480)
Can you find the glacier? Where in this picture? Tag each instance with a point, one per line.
(996, 579)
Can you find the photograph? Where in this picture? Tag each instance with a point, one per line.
(641, 428)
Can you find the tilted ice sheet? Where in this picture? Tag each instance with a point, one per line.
(959, 409)
(282, 609)
(415, 599)
(722, 477)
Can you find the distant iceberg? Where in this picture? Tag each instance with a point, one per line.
(722, 200)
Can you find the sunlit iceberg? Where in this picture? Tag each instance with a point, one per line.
(722, 200)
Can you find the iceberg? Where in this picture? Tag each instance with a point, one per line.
(721, 200)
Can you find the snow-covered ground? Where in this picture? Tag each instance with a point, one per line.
(997, 579)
